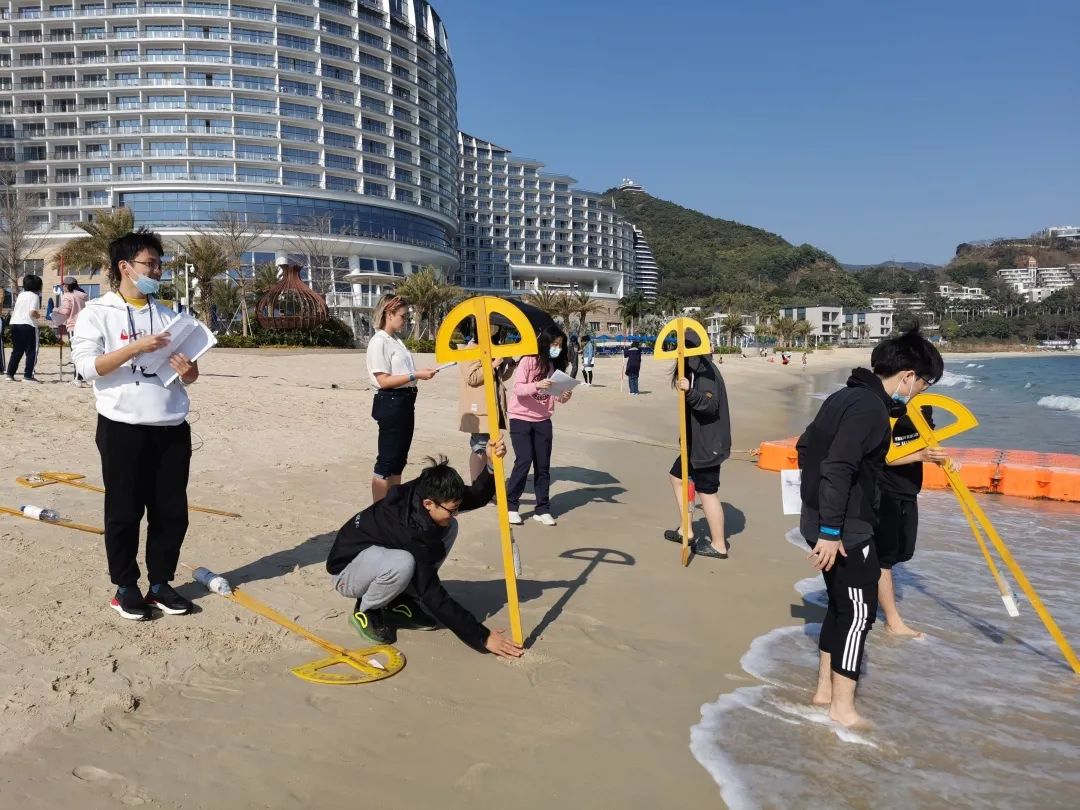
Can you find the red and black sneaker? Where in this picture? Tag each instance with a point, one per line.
(130, 604)
(165, 599)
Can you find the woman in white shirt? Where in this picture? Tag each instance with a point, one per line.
(24, 317)
(393, 375)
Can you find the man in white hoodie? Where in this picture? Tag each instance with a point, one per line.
(142, 432)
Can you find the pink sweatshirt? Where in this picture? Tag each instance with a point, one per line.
(525, 401)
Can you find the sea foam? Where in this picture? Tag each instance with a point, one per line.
(1058, 402)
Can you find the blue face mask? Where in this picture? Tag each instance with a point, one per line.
(554, 352)
(901, 398)
(147, 285)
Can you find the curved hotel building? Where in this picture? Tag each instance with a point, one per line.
(334, 119)
(524, 230)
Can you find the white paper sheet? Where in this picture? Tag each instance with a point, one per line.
(186, 335)
(790, 481)
(561, 383)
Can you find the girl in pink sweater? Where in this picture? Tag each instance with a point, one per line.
(530, 407)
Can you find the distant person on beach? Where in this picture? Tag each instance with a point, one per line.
(66, 315)
(804, 359)
(472, 404)
(708, 441)
(841, 455)
(388, 556)
(898, 515)
(393, 376)
(530, 407)
(573, 355)
(142, 430)
(25, 317)
(588, 359)
(632, 354)
(785, 358)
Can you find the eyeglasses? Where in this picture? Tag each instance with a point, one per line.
(154, 265)
(451, 510)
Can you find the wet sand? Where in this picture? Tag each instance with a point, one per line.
(201, 711)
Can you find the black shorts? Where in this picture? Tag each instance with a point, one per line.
(395, 411)
(898, 525)
(706, 480)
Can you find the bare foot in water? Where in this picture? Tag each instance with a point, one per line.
(822, 698)
(903, 631)
(848, 718)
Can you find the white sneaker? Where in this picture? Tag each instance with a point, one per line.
(515, 518)
(547, 520)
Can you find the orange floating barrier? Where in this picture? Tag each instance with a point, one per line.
(1021, 473)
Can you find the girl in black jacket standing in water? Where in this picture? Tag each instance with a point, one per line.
(708, 441)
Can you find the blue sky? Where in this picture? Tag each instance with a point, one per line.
(875, 131)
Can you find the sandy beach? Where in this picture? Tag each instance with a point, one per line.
(201, 712)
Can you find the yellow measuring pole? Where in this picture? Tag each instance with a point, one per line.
(482, 308)
(968, 503)
(680, 353)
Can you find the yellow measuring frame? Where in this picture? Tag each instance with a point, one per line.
(929, 438)
(360, 660)
(482, 308)
(44, 479)
(679, 354)
(67, 524)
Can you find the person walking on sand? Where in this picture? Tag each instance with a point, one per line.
(393, 375)
(67, 315)
(841, 455)
(530, 407)
(142, 430)
(632, 366)
(573, 355)
(708, 442)
(25, 316)
(472, 403)
(588, 359)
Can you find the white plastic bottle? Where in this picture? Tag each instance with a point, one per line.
(40, 513)
(213, 582)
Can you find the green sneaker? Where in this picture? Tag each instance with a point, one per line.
(408, 614)
(372, 625)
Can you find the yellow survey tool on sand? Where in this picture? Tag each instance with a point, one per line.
(44, 479)
(67, 524)
(679, 354)
(482, 308)
(367, 665)
(965, 420)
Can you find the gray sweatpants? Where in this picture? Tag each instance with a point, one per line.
(377, 575)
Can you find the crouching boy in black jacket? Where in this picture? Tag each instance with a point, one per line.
(842, 457)
(387, 558)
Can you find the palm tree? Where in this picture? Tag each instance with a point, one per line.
(92, 250)
(208, 255)
(802, 330)
(848, 328)
(766, 315)
(668, 303)
(864, 330)
(632, 307)
(584, 306)
(240, 236)
(430, 295)
(785, 330)
(544, 300)
(226, 299)
(732, 326)
(564, 309)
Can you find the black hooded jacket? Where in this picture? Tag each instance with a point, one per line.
(708, 423)
(400, 521)
(842, 457)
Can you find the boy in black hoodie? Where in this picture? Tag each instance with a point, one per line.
(387, 558)
(842, 455)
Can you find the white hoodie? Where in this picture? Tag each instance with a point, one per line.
(126, 395)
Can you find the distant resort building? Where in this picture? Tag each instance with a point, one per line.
(1036, 283)
(646, 273)
(524, 230)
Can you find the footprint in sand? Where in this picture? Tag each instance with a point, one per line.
(474, 776)
(119, 788)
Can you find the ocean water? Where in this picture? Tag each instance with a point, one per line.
(1022, 403)
(984, 712)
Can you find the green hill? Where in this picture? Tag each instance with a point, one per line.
(701, 256)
